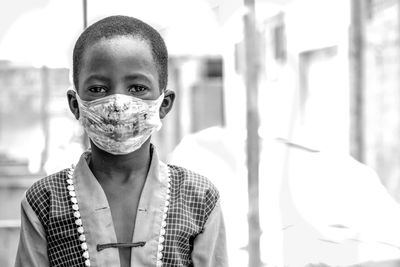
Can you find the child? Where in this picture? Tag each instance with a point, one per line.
(120, 205)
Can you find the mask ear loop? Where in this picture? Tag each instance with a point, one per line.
(72, 88)
(79, 100)
(159, 100)
(81, 103)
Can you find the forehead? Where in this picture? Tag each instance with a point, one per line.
(120, 53)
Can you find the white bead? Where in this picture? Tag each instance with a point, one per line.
(74, 200)
(87, 262)
(161, 239)
(78, 222)
(165, 216)
(164, 223)
(77, 214)
(69, 181)
(75, 207)
(159, 255)
(162, 232)
(160, 247)
(168, 197)
(70, 187)
(72, 193)
(84, 246)
(159, 263)
(110, 127)
(86, 254)
(80, 229)
(167, 203)
(165, 209)
(82, 238)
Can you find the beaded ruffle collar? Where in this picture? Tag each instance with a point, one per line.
(164, 170)
(77, 214)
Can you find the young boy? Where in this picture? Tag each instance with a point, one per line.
(120, 205)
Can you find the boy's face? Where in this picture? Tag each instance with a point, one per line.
(120, 65)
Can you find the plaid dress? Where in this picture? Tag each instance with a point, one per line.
(190, 201)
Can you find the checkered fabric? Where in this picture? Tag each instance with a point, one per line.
(192, 200)
(49, 199)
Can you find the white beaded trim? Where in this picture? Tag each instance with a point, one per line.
(164, 219)
(77, 214)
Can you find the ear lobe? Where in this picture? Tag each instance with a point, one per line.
(73, 103)
(168, 102)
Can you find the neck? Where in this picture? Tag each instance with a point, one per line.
(120, 168)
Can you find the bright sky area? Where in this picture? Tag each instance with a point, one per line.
(42, 32)
(11, 10)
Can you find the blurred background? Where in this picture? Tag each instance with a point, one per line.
(291, 107)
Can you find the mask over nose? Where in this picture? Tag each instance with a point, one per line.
(120, 124)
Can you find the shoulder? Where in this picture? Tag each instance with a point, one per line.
(46, 186)
(194, 186)
(42, 192)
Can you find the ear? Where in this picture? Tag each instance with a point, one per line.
(168, 102)
(73, 103)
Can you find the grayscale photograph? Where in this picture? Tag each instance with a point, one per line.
(200, 133)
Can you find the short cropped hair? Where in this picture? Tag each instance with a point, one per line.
(125, 26)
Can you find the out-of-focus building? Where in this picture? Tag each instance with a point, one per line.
(318, 205)
(382, 95)
(33, 107)
(306, 84)
(32, 110)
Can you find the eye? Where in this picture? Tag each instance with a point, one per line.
(137, 88)
(97, 89)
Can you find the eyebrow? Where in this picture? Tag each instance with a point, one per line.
(138, 76)
(129, 77)
(97, 77)
(142, 77)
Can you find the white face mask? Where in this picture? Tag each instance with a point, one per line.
(120, 124)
